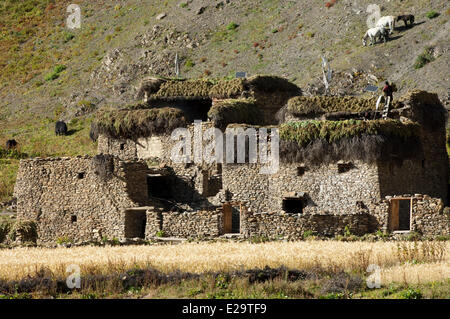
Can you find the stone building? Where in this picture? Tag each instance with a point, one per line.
(341, 169)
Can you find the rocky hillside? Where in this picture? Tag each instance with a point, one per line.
(50, 72)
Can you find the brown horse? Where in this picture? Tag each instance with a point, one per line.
(406, 18)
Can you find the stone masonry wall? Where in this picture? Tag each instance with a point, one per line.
(185, 225)
(325, 188)
(68, 200)
(292, 226)
(427, 174)
(428, 217)
(124, 149)
(159, 148)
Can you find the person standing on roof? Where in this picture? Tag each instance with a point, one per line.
(388, 90)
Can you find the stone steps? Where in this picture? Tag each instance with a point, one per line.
(232, 235)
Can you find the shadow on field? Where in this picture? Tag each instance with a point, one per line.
(45, 282)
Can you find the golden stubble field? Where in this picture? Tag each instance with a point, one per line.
(406, 262)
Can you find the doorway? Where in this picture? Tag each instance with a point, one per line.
(231, 219)
(400, 211)
(135, 222)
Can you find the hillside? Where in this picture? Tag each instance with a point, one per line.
(50, 72)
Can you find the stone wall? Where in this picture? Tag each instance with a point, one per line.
(124, 149)
(427, 174)
(325, 188)
(70, 201)
(428, 219)
(293, 226)
(195, 179)
(428, 216)
(185, 225)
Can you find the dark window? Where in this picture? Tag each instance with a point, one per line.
(159, 186)
(300, 170)
(344, 167)
(228, 195)
(293, 205)
(80, 175)
(423, 163)
(122, 146)
(73, 218)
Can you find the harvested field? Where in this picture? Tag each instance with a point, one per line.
(406, 262)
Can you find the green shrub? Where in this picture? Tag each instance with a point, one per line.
(232, 26)
(333, 295)
(424, 58)
(307, 233)
(412, 294)
(68, 37)
(432, 14)
(63, 240)
(183, 5)
(382, 234)
(189, 63)
(347, 232)
(442, 238)
(222, 281)
(161, 233)
(55, 73)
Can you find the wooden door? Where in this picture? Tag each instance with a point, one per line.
(393, 215)
(227, 218)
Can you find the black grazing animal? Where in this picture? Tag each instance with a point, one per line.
(10, 144)
(60, 128)
(406, 18)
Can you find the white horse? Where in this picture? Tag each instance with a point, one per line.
(373, 34)
(388, 22)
